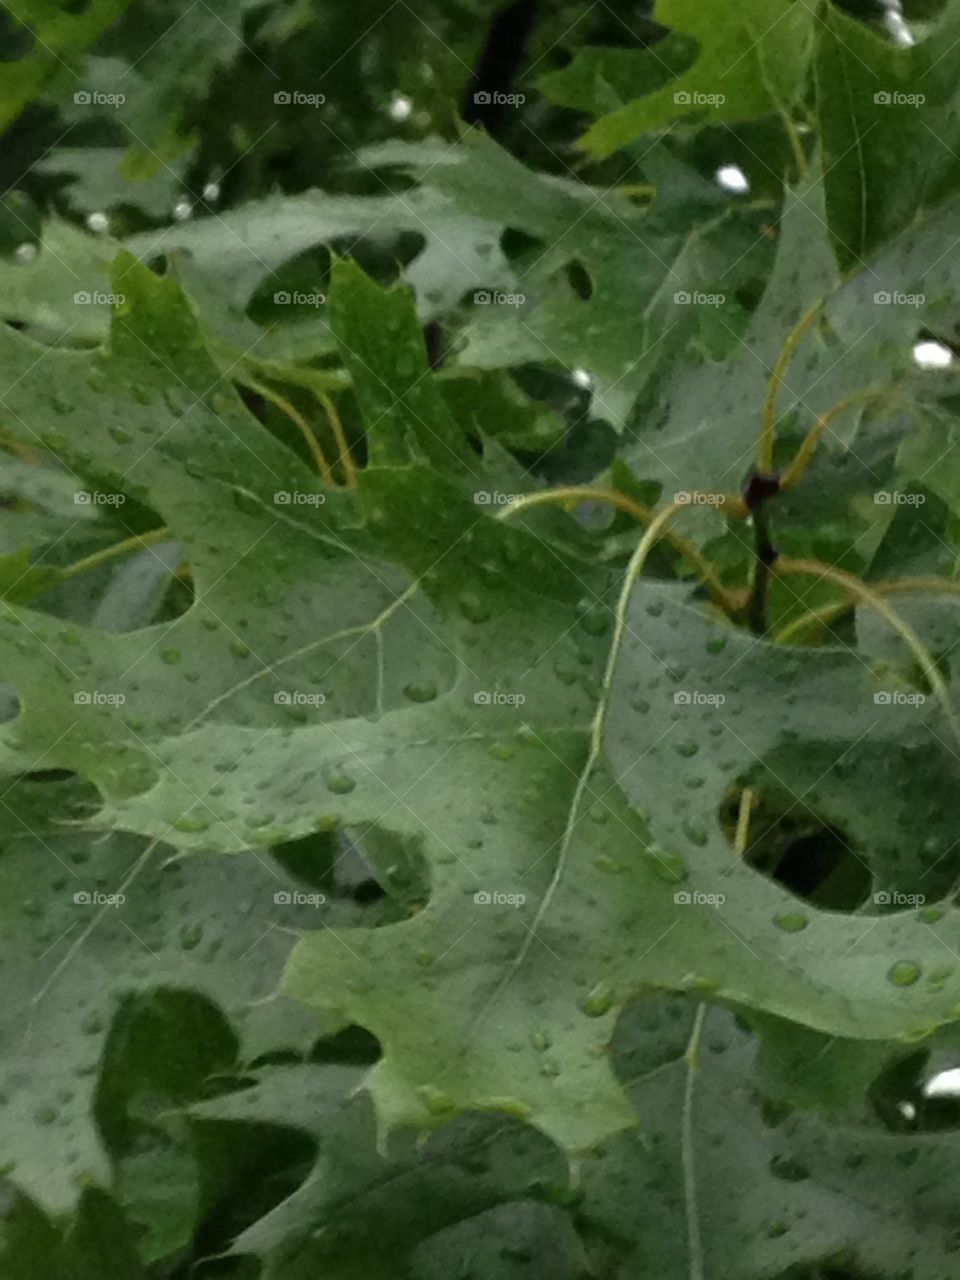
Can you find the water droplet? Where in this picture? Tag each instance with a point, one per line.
(435, 1100)
(596, 623)
(191, 823)
(666, 866)
(904, 973)
(191, 935)
(695, 834)
(791, 921)
(473, 608)
(340, 784)
(421, 691)
(598, 1002)
(610, 865)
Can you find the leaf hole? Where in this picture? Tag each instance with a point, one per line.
(579, 279)
(811, 857)
(920, 1093)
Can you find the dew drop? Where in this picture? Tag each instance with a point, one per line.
(424, 691)
(473, 608)
(188, 823)
(435, 1100)
(598, 1002)
(191, 935)
(340, 784)
(791, 921)
(666, 866)
(904, 973)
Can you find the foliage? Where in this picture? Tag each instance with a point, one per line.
(477, 607)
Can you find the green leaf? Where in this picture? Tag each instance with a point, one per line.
(594, 833)
(752, 62)
(48, 39)
(71, 949)
(417, 1193)
(599, 80)
(884, 110)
